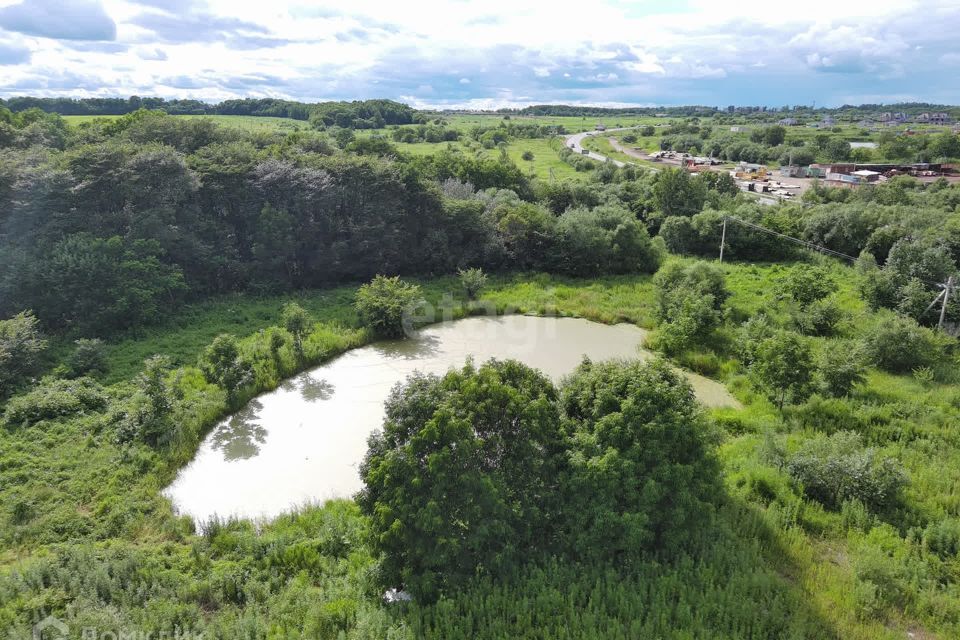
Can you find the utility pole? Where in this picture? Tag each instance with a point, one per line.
(723, 238)
(943, 305)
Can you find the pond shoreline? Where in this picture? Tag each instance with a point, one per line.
(268, 449)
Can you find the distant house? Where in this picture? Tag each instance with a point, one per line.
(865, 175)
(893, 117)
(788, 122)
(793, 171)
(737, 129)
(837, 167)
(933, 118)
(827, 122)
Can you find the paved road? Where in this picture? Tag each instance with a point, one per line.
(575, 141)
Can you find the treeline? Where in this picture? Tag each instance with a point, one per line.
(489, 137)
(141, 213)
(847, 112)
(358, 114)
(104, 106)
(588, 111)
(907, 237)
(772, 143)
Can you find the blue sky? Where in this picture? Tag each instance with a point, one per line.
(486, 54)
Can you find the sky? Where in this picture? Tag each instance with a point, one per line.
(489, 54)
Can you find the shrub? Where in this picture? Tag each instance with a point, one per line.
(150, 415)
(276, 339)
(20, 346)
(675, 281)
(750, 334)
(89, 357)
(842, 366)
(879, 287)
(691, 318)
(924, 375)
(689, 300)
(527, 155)
(222, 365)
(680, 236)
(855, 516)
(603, 240)
(899, 345)
(943, 538)
(384, 302)
(887, 574)
(296, 321)
(676, 193)
(643, 477)
(461, 480)
(473, 281)
(820, 317)
(837, 468)
(783, 367)
(54, 399)
(806, 285)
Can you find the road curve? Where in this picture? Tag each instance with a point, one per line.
(575, 140)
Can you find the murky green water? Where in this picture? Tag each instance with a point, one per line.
(303, 442)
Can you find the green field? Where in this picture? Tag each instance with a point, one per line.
(251, 123)
(546, 163)
(601, 144)
(571, 123)
(770, 553)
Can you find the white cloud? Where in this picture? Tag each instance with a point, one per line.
(61, 19)
(469, 51)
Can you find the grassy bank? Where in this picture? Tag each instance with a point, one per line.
(609, 300)
(86, 535)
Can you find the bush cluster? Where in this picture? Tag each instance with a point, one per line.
(488, 464)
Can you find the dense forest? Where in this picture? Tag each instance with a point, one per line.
(157, 272)
(358, 114)
(847, 112)
(769, 144)
(372, 114)
(184, 209)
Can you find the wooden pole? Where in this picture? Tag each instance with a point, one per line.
(943, 306)
(723, 238)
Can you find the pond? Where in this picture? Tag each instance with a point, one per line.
(303, 442)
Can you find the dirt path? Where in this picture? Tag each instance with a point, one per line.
(633, 153)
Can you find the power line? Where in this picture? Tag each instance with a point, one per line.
(942, 298)
(804, 243)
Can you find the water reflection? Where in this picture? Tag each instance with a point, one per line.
(424, 345)
(303, 442)
(313, 389)
(240, 436)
